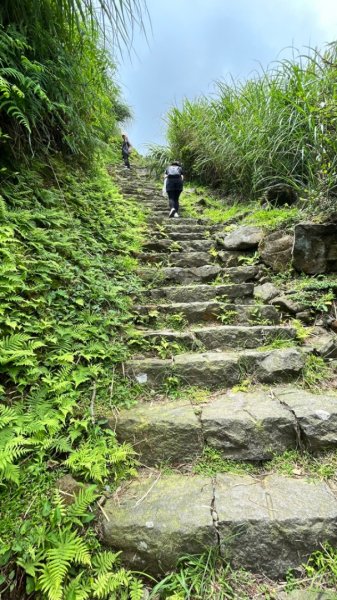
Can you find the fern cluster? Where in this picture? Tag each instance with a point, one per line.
(62, 562)
(67, 277)
(57, 84)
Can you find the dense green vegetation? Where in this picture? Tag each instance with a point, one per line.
(277, 128)
(66, 281)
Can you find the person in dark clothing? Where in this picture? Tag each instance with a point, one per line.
(126, 150)
(174, 178)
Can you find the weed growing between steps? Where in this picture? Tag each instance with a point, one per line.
(208, 576)
(292, 463)
(66, 283)
(317, 373)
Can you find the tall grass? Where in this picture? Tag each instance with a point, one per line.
(276, 128)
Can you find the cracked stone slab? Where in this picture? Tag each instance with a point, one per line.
(248, 426)
(165, 432)
(270, 525)
(266, 525)
(316, 415)
(156, 520)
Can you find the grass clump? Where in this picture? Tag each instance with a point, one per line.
(295, 462)
(316, 372)
(211, 462)
(65, 281)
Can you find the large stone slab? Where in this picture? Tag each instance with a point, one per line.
(218, 369)
(266, 525)
(165, 246)
(209, 369)
(240, 336)
(248, 426)
(181, 236)
(196, 312)
(243, 238)
(177, 259)
(186, 275)
(157, 520)
(193, 312)
(315, 248)
(316, 415)
(165, 432)
(202, 292)
(273, 524)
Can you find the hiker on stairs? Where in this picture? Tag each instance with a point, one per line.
(126, 150)
(174, 186)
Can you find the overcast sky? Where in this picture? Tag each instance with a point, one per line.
(196, 42)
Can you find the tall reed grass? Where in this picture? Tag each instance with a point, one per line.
(277, 128)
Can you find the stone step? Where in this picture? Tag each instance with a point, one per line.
(204, 274)
(212, 310)
(165, 245)
(181, 235)
(177, 259)
(222, 336)
(183, 228)
(244, 426)
(264, 524)
(202, 292)
(174, 223)
(222, 369)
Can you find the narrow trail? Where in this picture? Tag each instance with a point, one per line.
(202, 332)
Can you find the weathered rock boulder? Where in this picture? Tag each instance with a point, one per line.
(275, 250)
(266, 292)
(287, 305)
(243, 238)
(315, 248)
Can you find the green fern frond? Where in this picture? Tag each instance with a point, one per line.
(110, 583)
(136, 589)
(68, 547)
(104, 561)
(83, 499)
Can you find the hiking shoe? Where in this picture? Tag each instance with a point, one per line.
(171, 213)
(176, 215)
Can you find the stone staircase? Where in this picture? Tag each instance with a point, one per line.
(266, 523)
